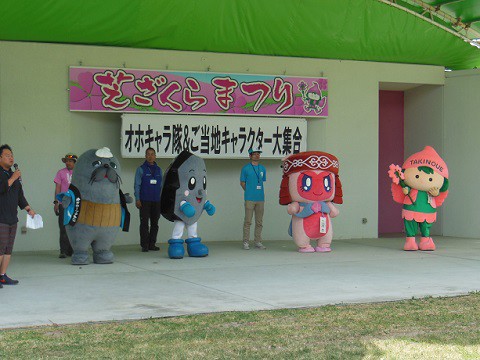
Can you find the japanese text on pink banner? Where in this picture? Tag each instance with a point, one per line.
(144, 91)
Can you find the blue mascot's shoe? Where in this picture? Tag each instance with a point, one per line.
(195, 248)
(175, 249)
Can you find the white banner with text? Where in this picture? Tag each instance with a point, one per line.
(218, 137)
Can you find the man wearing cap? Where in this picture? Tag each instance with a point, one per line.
(252, 177)
(62, 181)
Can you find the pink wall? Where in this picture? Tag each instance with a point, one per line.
(391, 150)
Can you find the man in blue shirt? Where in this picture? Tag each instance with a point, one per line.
(252, 177)
(148, 186)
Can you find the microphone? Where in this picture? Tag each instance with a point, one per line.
(16, 168)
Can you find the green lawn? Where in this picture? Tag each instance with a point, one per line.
(430, 328)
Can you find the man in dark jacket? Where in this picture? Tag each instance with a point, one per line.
(148, 186)
(11, 197)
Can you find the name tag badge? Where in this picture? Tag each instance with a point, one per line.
(259, 187)
(153, 181)
(430, 199)
(323, 225)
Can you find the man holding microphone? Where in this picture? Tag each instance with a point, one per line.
(11, 197)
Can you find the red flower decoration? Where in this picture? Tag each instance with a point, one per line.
(86, 95)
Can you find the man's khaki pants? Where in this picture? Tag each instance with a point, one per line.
(251, 207)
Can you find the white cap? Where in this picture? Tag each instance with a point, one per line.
(104, 153)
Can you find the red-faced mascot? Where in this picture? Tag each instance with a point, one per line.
(310, 185)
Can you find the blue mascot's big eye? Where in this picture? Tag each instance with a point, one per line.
(204, 183)
(306, 183)
(96, 163)
(326, 183)
(191, 183)
(113, 165)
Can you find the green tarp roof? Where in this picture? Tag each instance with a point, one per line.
(369, 30)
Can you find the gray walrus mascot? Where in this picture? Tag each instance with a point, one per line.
(183, 199)
(95, 207)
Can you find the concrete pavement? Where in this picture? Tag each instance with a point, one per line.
(143, 285)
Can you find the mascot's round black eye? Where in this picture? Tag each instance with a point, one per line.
(204, 183)
(96, 163)
(191, 183)
(417, 176)
(430, 179)
(113, 165)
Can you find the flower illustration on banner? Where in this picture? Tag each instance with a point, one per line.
(297, 108)
(298, 105)
(239, 105)
(322, 84)
(302, 86)
(85, 95)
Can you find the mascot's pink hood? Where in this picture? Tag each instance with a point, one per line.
(427, 157)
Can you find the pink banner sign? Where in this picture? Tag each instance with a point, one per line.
(203, 93)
